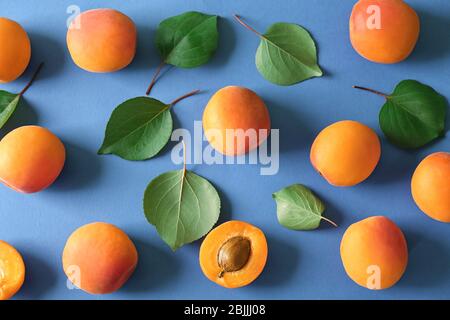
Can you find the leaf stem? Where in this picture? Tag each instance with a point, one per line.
(239, 19)
(155, 77)
(184, 158)
(329, 221)
(32, 79)
(371, 90)
(187, 95)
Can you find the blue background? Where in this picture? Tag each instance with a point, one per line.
(302, 265)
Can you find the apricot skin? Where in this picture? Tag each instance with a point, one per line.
(397, 37)
(31, 158)
(346, 153)
(375, 241)
(235, 108)
(15, 50)
(430, 186)
(104, 256)
(12, 271)
(104, 42)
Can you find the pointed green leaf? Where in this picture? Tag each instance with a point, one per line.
(287, 55)
(138, 129)
(182, 206)
(8, 104)
(187, 40)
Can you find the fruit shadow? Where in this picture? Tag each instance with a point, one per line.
(156, 267)
(49, 51)
(429, 261)
(227, 43)
(24, 115)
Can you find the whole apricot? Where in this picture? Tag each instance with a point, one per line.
(384, 31)
(374, 253)
(31, 158)
(15, 50)
(236, 121)
(430, 186)
(346, 153)
(102, 40)
(99, 258)
(12, 271)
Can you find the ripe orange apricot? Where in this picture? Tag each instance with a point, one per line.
(99, 258)
(31, 158)
(236, 121)
(12, 271)
(233, 254)
(374, 253)
(102, 40)
(384, 31)
(346, 153)
(15, 50)
(430, 186)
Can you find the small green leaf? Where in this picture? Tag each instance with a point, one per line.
(138, 129)
(299, 209)
(187, 40)
(182, 206)
(8, 104)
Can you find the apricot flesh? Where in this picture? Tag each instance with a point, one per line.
(99, 258)
(346, 153)
(374, 253)
(15, 50)
(236, 121)
(233, 254)
(102, 40)
(384, 31)
(31, 158)
(430, 186)
(12, 271)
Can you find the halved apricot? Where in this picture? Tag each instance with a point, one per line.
(234, 254)
(12, 271)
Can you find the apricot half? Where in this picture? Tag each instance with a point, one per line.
(234, 254)
(374, 253)
(430, 186)
(102, 40)
(384, 31)
(346, 153)
(15, 50)
(236, 121)
(12, 271)
(99, 258)
(31, 158)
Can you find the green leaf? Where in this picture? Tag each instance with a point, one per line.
(182, 206)
(138, 129)
(413, 115)
(287, 55)
(298, 208)
(187, 40)
(8, 104)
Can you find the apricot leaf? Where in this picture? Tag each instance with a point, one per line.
(299, 209)
(8, 104)
(182, 206)
(413, 115)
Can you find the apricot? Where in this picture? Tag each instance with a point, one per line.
(236, 121)
(384, 31)
(346, 153)
(102, 40)
(31, 158)
(233, 254)
(374, 253)
(430, 186)
(15, 50)
(99, 258)
(12, 271)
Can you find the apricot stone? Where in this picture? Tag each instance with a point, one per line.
(102, 40)
(384, 31)
(31, 158)
(236, 121)
(99, 258)
(12, 271)
(374, 253)
(430, 186)
(15, 50)
(346, 153)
